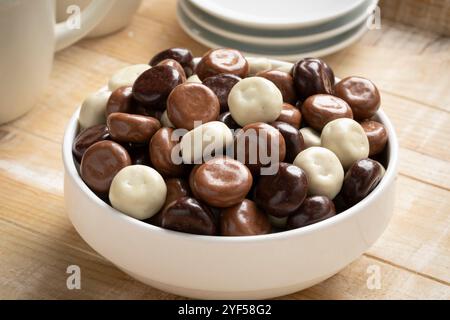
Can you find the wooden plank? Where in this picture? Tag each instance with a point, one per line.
(38, 211)
(424, 168)
(419, 128)
(33, 266)
(351, 283)
(31, 160)
(432, 15)
(418, 236)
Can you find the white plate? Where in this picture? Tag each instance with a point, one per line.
(279, 14)
(279, 37)
(290, 53)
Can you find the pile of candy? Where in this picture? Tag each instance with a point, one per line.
(231, 146)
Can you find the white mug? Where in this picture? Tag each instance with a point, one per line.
(118, 17)
(29, 37)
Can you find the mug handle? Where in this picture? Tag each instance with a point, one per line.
(92, 15)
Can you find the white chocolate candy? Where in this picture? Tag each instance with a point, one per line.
(323, 169)
(138, 191)
(127, 76)
(347, 139)
(311, 137)
(93, 109)
(200, 142)
(255, 99)
(193, 79)
(165, 121)
(257, 64)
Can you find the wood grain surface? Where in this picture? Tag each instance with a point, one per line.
(431, 15)
(410, 66)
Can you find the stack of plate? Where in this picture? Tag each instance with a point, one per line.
(281, 29)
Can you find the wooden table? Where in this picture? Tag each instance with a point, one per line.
(412, 69)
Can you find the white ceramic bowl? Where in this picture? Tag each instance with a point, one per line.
(207, 267)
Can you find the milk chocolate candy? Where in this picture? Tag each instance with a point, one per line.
(87, 138)
(192, 102)
(101, 162)
(320, 109)
(259, 145)
(291, 115)
(283, 81)
(361, 94)
(376, 134)
(124, 127)
(162, 146)
(244, 219)
(222, 182)
(222, 60)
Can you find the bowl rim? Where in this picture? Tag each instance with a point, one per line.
(389, 176)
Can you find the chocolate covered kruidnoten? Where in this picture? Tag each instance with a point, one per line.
(182, 55)
(221, 85)
(290, 115)
(220, 147)
(192, 102)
